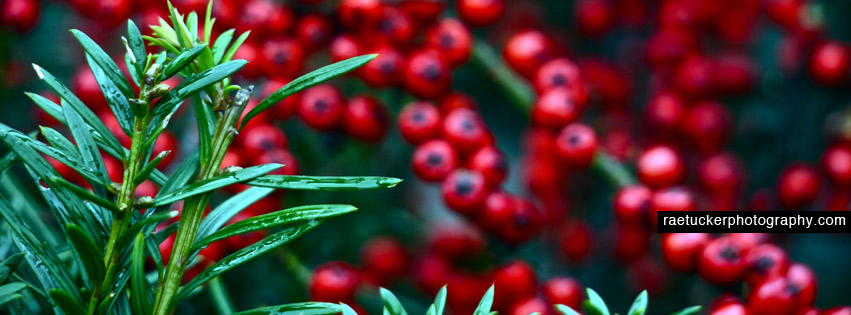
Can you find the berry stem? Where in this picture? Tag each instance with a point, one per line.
(521, 96)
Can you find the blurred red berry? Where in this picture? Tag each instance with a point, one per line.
(829, 63)
(681, 250)
(419, 122)
(797, 186)
(426, 74)
(464, 191)
(722, 261)
(563, 290)
(452, 39)
(480, 12)
(322, 107)
(434, 160)
(20, 14)
(334, 282)
(576, 144)
(365, 119)
(526, 51)
(660, 166)
(465, 130)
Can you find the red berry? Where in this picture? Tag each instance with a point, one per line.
(576, 241)
(427, 74)
(455, 240)
(422, 11)
(676, 198)
(384, 259)
(532, 305)
(394, 27)
(265, 18)
(556, 108)
(285, 108)
(670, 46)
(696, 77)
(735, 75)
(431, 273)
(730, 309)
(836, 162)
(249, 52)
(261, 138)
(772, 297)
(594, 17)
(681, 250)
(455, 100)
(384, 70)
(765, 261)
(797, 186)
(838, 310)
(498, 211)
(20, 14)
(465, 130)
(313, 31)
(558, 73)
(481, 12)
(282, 57)
(525, 222)
(365, 119)
(85, 86)
(802, 279)
(322, 107)
(491, 162)
(708, 124)
(419, 122)
(632, 204)
(563, 290)
(280, 156)
(660, 166)
(434, 160)
(355, 13)
(576, 145)
(464, 290)
(720, 174)
(108, 12)
(722, 261)
(526, 51)
(344, 47)
(464, 191)
(514, 281)
(829, 63)
(452, 39)
(334, 281)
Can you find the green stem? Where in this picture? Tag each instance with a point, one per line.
(522, 97)
(124, 201)
(220, 296)
(193, 211)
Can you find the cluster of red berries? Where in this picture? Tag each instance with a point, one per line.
(385, 260)
(778, 285)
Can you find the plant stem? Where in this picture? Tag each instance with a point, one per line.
(193, 210)
(522, 97)
(124, 201)
(220, 296)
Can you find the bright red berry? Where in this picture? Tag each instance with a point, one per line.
(343, 47)
(829, 63)
(491, 162)
(524, 223)
(466, 130)
(384, 70)
(526, 51)
(632, 204)
(836, 162)
(838, 310)
(481, 12)
(558, 73)
(563, 290)
(722, 261)
(359, 13)
(531, 305)
(322, 107)
(797, 186)
(708, 124)
(313, 31)
(365, 118)
(427, 74)
(384, 259)
(434, 160)
(419, 122)
(576, 145)
(498, 211)
(282, 57)
(455, 100)
(464, 191)
(514, 281)
(334, 281)
(452, 39)
(261, 138)
(696, 77)
(720, 174)
(681, 250)
(765, 261)
(660, 166)
(20, 14)
(594, 17)
(556, 108)
(773, 296)
(802, 279)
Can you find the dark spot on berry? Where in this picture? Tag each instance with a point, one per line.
(431, 72)
(387, 67)
(729, 253)
(418, 116)
(446, 40)
(434, 159)
(464, 185)
(558, 79)
(794, 289)
(281, 57)
(321, 106)
(467, 125)
(521, 220)
(574, 139)
(387, 26)
(763, 264)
